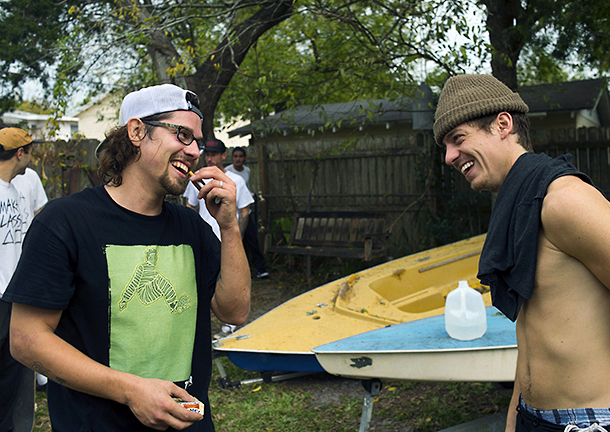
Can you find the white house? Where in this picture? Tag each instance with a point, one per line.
(98, 118)
(38, 127)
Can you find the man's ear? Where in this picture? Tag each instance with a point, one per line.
(136, 131)
(504, 123)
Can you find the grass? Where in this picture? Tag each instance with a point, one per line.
(41, 416)
(301, 405)
(438, 406)
(272, 409)
(281, 406)
(321, 402)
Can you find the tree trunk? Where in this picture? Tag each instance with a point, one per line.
(162, 52)
(213, 76)
(506, 24)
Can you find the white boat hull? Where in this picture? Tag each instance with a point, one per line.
(497, 365)
(422, 350)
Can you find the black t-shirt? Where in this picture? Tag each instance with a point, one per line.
(135, 293)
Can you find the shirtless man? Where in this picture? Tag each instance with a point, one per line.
(545, 258)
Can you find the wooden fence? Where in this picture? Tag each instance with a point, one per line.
(401, 174)
(589, 147)
(398, 172)
(66, 167)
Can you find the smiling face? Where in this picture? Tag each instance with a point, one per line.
(484, 158)
(164, 159)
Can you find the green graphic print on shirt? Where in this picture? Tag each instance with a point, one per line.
(153, 310)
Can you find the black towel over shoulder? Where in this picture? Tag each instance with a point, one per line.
(509, 256)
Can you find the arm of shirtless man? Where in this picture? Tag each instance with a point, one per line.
(563, 361)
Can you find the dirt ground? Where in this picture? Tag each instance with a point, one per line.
(396, 396)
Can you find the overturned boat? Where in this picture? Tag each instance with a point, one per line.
(403, 290)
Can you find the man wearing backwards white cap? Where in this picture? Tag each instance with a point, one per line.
(16, 381)
(112, 295)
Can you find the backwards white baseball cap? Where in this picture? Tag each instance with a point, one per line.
(156, 100)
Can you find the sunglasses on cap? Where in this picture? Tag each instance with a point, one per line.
(184, 134)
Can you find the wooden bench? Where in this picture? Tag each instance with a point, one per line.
(335, 234)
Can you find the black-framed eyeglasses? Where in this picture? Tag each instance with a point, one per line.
(184, 134)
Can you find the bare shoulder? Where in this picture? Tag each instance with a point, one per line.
(569, 200)
(575, 219)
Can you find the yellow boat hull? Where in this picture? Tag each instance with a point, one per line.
(405, 289)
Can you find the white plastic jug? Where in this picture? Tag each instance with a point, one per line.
(465, 317)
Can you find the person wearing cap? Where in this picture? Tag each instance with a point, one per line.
(214, 155)
(114, 288)
(32, 198)
(251, 235)
(16, 380)
(545, 257)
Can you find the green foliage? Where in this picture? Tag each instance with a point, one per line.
(538, 67)
(334, 51)
(34, 107)
(458, 212)
(327, 51)
(28, 32)
(283, 225)
(342, 50)
(543, 41)
(583, 31)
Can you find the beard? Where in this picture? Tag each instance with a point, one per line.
(173, 187)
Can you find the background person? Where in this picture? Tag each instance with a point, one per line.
(238, 166)
(31, 192)
(215, 154)
(545, 257)
(251, 234)
(16, 380)
(32, 198)
(113, 291)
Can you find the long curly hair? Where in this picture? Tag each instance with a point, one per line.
(117, 151)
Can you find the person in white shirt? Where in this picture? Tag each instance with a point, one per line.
(32, 198)
(238, 167)
(31, 192)
(251, 236)
(16, 214)
(215, 154)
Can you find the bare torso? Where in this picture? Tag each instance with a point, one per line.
(563, 334)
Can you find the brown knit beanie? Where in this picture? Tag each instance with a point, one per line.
(468, 97)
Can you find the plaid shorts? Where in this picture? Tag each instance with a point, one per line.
(557, 419)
